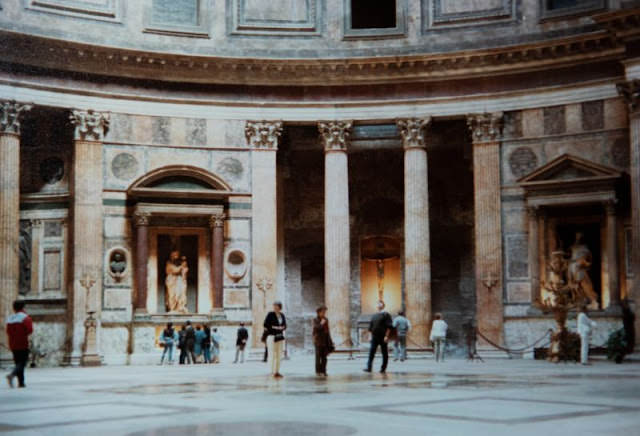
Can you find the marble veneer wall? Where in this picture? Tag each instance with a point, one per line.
(593, 130)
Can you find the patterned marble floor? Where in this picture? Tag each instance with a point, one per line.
(417, 397)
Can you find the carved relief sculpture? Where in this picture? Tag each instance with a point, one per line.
(90, 125)
(335, 134)
(117, 265)
(579, 266)
(177, 269)
(263, 134)
(11, 114)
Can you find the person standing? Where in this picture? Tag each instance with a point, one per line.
(216, 339)
(402, 326)
(322, 340)
(206, 344)
(275, 325)
(182, 346)
(19, 327)
(241, 342)
(438, 336)
(168, 339)
(585, 327)
(190, 342)
(198, 346)
(380, 328)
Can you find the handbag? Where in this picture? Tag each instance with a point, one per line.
(278, 337)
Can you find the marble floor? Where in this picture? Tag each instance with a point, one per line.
(417, 397)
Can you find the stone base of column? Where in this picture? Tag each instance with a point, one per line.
(91, 360)
(72, 359)
(217, 314)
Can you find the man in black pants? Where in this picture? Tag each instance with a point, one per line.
(19, 327)
(380, 327)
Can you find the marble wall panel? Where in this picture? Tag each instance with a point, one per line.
(52, 273)
(573, 118)
(161, 130)
(277, 17)
(114, 340)
(519, 292)
(48, 341)
(593, 115)
(586, 148)
(234, 167)
(554, 120)
(615, 114)
(238, 229)
(160, 157)
(517, 256)
(236, 298)
(446, 13)
(142, 129)
(105, 10)
(532, 122)
(196, 131)
(122, 165)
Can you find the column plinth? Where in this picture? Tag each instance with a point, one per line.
(337, 254)
(417, 252)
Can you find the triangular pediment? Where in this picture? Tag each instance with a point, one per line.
(569, 168)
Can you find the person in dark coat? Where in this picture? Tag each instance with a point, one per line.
(182, 346)
(241, 342)
(190, 341)
(275, 324)
(380, 328)
(322, 340)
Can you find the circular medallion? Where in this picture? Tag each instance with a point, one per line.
(124, 166)
(52, 170)
(522, 161)
(231, 168)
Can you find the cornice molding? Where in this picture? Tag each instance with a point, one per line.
(624, 23)
(72, 56)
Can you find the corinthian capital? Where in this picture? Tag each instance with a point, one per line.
(217, 220)
(263, 134)
(630, 91)
(89, 125)
(335, 134)
(485, 127)
(412, 131)
(141, 218)
(11, 114)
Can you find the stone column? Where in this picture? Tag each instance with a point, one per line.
(417, 257)
(262, 137)
(10, 117)
(486, 131)
(87, 262)
(612, 256)
(216, 223)
(337, 271)
(630, 91)
(534, 253)
(141, 220)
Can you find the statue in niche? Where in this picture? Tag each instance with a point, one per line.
(117, 265)
(578, 272)
(177, 269)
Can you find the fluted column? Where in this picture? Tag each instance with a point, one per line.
(417, 253)
(10, 116)
(612, 255)
(141, 220)
(630, 91)
(337, 272)
(90, 128)
(262, 137)
(486, 131)
(216, 223)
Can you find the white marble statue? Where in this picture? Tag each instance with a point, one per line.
(579, 265)
(176, 283)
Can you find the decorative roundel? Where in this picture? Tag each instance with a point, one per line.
(124, 166)
(522, 161)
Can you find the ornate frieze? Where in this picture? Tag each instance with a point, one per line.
(11, 114)
(412, 131)
(630, 91)
(263, 134)
(335, 134)
(217, 220)
(89, 125)
(485, 127)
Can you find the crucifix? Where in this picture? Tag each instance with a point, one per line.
(490, 281)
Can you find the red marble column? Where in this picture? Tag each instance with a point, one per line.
(216, 222)
(142, 257)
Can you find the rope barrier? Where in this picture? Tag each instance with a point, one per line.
(522, 350)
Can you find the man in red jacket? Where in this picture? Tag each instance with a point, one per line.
(19, 327)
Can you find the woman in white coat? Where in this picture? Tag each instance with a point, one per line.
(585, 326)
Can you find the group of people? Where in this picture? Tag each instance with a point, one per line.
(197, 345)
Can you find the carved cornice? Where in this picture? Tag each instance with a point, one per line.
(412, 131)
(89, 125)
(535, 56)
(335, 134)
(217, 220)
(11, 114)
(624, 23)
(485, 127)
(263, 134)
(141, 218)
(630, 92)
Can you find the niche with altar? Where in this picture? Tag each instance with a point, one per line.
(380, 273)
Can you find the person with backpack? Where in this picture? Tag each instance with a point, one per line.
(402, 326)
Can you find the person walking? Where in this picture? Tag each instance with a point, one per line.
(438, 337)
(585, 327)
(182, 346)
(19, 327)
(198, 345)
(402, 326)
(168, 339)
(380, 328)
(206, 344)
(216, 339)
(275, 324)
(241, 342)
(322, 340)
